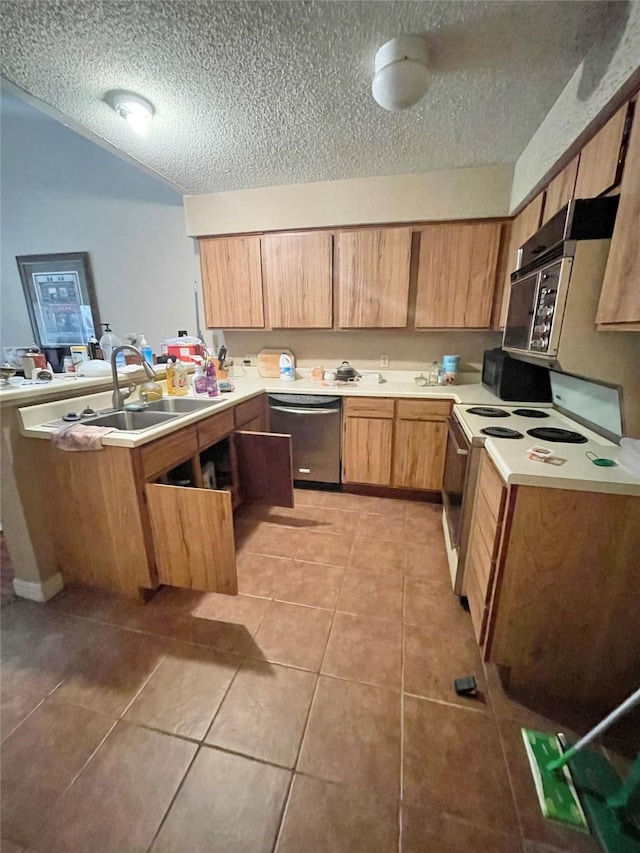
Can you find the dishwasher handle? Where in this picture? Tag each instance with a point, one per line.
(460, 451)
(291, 411)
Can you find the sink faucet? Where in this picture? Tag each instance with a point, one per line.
(120, 396)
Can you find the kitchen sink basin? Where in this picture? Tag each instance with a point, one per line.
(181, 405)
(131, 420)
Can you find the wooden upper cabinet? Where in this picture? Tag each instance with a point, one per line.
(561, 189)
(297, 274)
(457, 275)
(523, 226)
(232, 282)
(372, 272)
(600, 158)
(620, 296)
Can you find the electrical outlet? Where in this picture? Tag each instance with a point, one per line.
(384, 361)
(250, 360)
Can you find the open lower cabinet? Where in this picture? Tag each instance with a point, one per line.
(192, 520)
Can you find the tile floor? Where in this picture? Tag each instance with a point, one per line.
(313, 712)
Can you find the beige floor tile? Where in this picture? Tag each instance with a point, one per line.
(227, 622)
(433, 660)
(308, 497)
(424, 831)
(185, 691)
(110, 675)
(7, 846)
(423, 530)
(372, 526)
(435, 606)
(390, 507)
(15, 705)
(41, 759)
(372, 594)
(168, 613)
(94, 603)
(120, 798)
(258, 574)
(340, 521)
(422, 510)
(293, 635)
(364, 649)
(453, 763)
(376, 555)
(264, 713)
(313, 584)
(327, 818)
(272, 540)
(227, 803)
(347, 501)
(427, 562)
(353, 737)
(328, 548)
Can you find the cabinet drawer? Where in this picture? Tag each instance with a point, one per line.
(369, 407)
(423, 410)
(491, 487)
(477, 606)
(166, 453)
(215, 428)
(247, 411)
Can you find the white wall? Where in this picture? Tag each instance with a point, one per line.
(613, 59)
(449, 194)
(62, 193)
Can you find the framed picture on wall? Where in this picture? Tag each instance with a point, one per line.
(61, 298)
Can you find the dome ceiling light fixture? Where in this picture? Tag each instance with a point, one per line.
(401, 74)
(136, 110)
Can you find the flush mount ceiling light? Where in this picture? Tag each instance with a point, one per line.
(401, 73)
(135, 109)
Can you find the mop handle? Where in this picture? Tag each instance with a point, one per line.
(629, 703)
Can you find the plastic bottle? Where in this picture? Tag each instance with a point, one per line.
(180, 379)
(287, 372)
(212, 378)
(171, 368)
(199, 381)
(434, 373)
(108, 342)
(145, 349)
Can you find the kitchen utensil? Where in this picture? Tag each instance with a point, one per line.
(268, 362)
(600, 461)
(345, 372)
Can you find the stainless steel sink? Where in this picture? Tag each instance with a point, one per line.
(131, 420)
(182, 404)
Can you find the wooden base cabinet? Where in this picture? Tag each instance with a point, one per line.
(398, 443)
(552, 588)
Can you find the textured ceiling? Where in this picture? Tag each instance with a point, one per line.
(250, 94)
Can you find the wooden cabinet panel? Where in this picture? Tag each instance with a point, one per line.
(620, 296)
(366, 450)
(492, 487)
(561, 189)
(418, 456)
(477, 594)
(265, 467)
(249, 410)
(232, 282)
(165, 453)
(423, 410)
(297, 272)
(372, 272)
(523, 226)
(193, 537)
(457, 270)
(214, 428)
(599, 159)
(368, 407)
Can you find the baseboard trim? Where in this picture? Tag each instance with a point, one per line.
(39, 591)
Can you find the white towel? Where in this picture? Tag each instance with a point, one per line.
(80, 437)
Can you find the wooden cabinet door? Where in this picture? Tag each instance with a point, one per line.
(366, 450)
(457, 275)
(418, 454)
(372, 266)
(231, 282)
(193, 539)
(600, 166)
(620, 296)
(265, 468)
(523, 226)
(561, 189)
(297, 272)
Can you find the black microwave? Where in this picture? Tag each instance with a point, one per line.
(511, 379)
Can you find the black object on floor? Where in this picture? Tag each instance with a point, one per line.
(465, 686)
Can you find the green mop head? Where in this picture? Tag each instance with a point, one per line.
(556, 792)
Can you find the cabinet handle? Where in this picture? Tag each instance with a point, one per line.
(304, 411)
(459, 450)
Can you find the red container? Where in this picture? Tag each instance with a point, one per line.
(184, 353)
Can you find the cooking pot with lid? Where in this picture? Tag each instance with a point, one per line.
(345, 372)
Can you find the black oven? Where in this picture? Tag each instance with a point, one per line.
(455, 471)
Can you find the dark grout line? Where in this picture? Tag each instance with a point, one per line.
(173, 799)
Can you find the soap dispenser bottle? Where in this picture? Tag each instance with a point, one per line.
(108, 342)
(145, 349)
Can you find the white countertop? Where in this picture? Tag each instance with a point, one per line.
(576, 472)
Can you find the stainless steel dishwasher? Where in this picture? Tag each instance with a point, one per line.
(313, 422)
